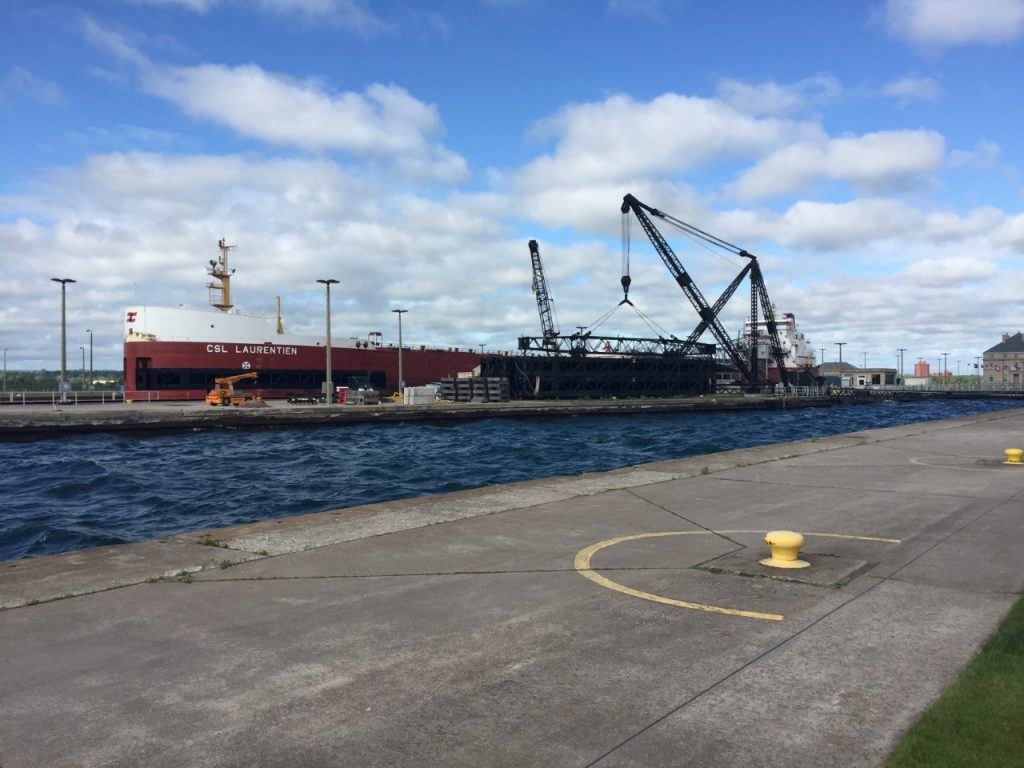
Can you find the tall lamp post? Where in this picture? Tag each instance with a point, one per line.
(328, 385)
(901, 350)
(945, 359)
(840, 344)
(83, 366)
(62, 384)
(92, 376)
(401, 373)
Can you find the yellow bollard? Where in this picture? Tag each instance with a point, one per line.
(1013, 455)
(785, 549)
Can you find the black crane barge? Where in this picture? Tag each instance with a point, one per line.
(585, 364)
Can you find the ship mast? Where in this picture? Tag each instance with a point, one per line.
(220, 292)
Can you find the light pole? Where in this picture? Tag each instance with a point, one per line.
(822, 357)
(92, 376)
(945, 358)
(901, 350)
(840, 344)
(328, 386)
(977, 365)
(401, 373)
(865, 360)
(83, 366)
(62, 384)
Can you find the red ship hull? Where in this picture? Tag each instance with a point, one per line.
(184, 370)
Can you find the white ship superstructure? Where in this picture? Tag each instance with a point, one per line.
(796, 349)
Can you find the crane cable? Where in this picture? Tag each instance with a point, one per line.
(648, 321)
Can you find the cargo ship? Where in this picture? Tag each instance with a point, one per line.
(798, 354)
(175, 353)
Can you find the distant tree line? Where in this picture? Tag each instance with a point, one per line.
(47, 381)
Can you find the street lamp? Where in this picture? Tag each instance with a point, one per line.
(840, 344)
(92, 376)
(328, 386)
(62, 384)
(945, 358)
(901, 350)
(83, 366)
(401, 373)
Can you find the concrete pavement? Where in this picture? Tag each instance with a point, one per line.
(459, 630)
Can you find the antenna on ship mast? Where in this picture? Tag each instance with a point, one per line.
(220, 292)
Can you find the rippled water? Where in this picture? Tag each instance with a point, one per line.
(62, 495)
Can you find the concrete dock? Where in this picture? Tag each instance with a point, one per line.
(46, 420)
(33, 421)
(612, 619)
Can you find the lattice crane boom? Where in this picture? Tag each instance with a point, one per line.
(708, 317)
(747, 366)
(540, 291)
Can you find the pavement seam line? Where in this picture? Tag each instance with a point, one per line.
(947, 537)
(694, 523)
(735, 672)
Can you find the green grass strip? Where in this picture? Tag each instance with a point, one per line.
(979, 721)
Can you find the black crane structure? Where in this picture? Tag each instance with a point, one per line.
(549, 333)
(585, 342)
(747, 365)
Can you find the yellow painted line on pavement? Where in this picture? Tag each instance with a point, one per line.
(583, 557)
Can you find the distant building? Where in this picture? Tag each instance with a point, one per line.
(1004, 363)
(852, 376)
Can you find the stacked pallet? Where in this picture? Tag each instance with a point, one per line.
(362, 397)
(420, 395)
(478, 389)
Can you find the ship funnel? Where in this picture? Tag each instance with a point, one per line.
(280, 327)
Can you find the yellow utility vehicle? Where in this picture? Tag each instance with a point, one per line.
(224, 392)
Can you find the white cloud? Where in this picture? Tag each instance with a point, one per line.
(645, 8)
(913, 88)
(383, 122)
(19, 81)
(875, 162)
(986, 154)
(843, 226)
(775, 98)
(196, 6)
(349, 14)
(620, 141)
(1010, 234)
(947, 23)
(952, 272)
(606, 149)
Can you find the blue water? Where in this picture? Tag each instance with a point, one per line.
(63, 495)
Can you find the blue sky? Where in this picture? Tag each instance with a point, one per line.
(868, 152)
